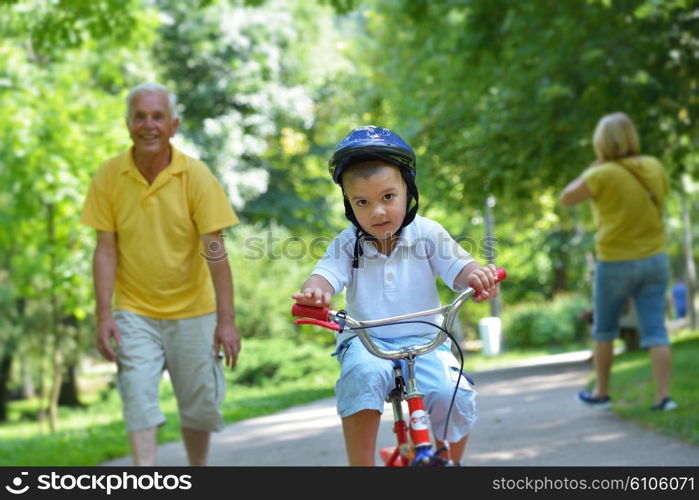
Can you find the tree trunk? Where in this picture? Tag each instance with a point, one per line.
(691, 278)
(5, 364)
(6, 361)
(560, 276)
(56, 358)
(28, 389)
(43, 396)
(57, 372)
(68, 394)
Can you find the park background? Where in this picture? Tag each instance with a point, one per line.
(499, 99)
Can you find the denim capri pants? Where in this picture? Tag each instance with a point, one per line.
(646, 281)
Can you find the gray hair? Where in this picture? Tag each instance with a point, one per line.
(152, 88)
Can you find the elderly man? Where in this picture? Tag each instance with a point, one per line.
(159, 215)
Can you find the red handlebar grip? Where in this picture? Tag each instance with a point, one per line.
(302, 311)
(500, 274)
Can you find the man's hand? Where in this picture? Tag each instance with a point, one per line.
(228, 336)
(106, 330)
(315, 297)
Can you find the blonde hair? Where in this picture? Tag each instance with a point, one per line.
(615, 137)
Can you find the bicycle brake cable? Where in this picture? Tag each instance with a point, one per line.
(461, 366)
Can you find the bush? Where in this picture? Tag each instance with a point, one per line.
(274, 361)
(549, 324)
(268, 266)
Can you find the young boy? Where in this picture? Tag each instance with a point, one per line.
(388, 260)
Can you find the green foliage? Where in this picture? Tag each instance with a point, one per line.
(506, 94)
(501, 97)
(556, 323)
(51, 28)
(52, 140)
(247, 104)
(288, 360)
(341, 6)
(93, 434)
(268, 265)
(497, 97)
(633, 389)
(66, 67)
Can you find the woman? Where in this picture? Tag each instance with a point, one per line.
(627, 192)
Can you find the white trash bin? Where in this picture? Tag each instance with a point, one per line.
(490, 331)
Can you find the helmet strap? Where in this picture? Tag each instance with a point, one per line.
(411, 212)
(360, 235)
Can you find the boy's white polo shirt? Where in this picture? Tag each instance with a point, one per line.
(400, 283)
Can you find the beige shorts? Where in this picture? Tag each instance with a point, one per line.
(185, 347)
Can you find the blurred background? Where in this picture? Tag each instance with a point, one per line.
(499, 98)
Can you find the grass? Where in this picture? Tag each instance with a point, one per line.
(633, 389)
(275, 375)
(94, 435)
(632, 383)
(476, 361)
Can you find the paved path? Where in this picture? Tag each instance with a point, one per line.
(527, 417)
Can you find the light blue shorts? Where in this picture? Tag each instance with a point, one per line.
(646, 281)
(365, 380)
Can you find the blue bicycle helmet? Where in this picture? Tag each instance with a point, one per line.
(375, 143)
(371, 143)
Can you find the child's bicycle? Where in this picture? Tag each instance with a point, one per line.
(414, 445)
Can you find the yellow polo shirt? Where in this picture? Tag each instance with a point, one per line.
(629, 226)
(160, 269)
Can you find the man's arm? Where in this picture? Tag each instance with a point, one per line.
(104, 263)
(226, 334)
(575, 192)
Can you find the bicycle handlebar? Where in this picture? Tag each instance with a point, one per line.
(320, 313)
(336, 320)
(500, 274)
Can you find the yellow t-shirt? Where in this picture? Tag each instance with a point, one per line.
(628, 223)
(160, 269)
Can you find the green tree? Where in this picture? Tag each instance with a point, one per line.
(248, 99)
(501, 97)
(61, 118)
